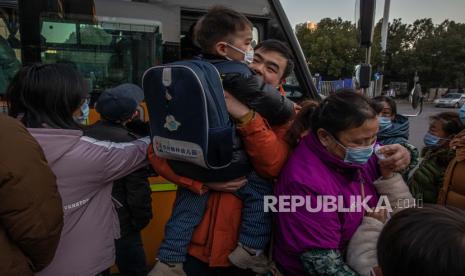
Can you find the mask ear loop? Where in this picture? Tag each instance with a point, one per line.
(235, 48)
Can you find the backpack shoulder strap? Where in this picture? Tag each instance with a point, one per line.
(231, 66)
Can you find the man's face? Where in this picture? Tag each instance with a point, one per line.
(270, 65)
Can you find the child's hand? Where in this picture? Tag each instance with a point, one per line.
(228, 186)
(235, 108)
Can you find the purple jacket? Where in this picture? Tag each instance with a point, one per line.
(85, 169)
(312, 170)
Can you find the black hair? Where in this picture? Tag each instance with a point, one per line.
(217, 25)
(451, 123)
(281, 48)
(426, 241)
(46, 95)
(301, 122)
(392, 104)
(340, 111)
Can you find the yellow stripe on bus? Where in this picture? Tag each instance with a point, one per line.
(163, 187)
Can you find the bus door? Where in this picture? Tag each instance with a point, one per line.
(114, 41)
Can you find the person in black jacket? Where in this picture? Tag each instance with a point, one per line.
(118, 108)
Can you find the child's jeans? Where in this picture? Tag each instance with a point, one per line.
(188, 211)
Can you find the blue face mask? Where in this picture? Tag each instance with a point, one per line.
(431, 140)
(462, 114)
(85, 113)
(384, 123)
(358, 155)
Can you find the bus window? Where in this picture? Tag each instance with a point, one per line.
(293, 88)
(10, 53)
(107, 53)
(109, 48)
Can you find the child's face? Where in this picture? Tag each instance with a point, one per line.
(436, 128)
(235, 49)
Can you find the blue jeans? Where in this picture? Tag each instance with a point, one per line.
(188, 211)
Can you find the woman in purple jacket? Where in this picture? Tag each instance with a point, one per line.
(46, 97)
(334, 160)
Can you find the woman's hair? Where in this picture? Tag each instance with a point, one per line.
(377, 106)
(423, 241)
(451, 123)
(392, 104)
(340, 111)
(46, 95)
(301, 124)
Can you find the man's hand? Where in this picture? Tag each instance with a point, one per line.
(235, 108)
(397, 159)
(381, 215)
(228, 186)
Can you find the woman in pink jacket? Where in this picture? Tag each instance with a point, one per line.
(334, 160)
(46, 99)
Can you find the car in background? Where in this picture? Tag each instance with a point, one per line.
(455, 90)
(450, 100)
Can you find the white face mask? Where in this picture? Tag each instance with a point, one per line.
(248, 55)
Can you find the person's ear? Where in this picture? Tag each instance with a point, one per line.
(325, 138)
(221, 48)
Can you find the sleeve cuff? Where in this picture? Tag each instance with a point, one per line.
(246, 118)
(387, 185)
(193, 186)
(256, 124)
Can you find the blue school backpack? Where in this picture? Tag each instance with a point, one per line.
(189, 121)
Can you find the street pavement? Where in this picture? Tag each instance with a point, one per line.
(419, 124)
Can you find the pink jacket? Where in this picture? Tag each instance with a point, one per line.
(85, 169)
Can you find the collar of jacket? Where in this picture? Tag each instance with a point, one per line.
(399, 128)
(460, 150)
(460, 154)
(431, 151)
(212, 57)
(110, 124)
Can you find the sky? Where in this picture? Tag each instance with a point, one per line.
(300, 11)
